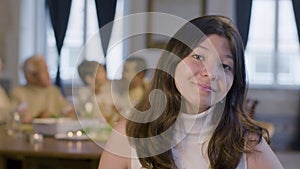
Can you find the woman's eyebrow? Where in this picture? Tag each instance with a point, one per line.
(200, 47)
(204, 47)
(229, 56)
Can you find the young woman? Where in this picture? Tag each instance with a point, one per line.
(193, 116)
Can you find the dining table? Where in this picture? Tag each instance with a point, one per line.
(48, 153)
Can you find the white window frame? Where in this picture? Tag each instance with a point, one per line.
(273, 81)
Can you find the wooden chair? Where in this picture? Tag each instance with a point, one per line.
(251, 105)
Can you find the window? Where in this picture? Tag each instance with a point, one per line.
(82, 27)
(272, 53)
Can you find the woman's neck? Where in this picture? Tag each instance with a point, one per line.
(189, 108)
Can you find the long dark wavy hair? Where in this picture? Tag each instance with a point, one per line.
(231, 136)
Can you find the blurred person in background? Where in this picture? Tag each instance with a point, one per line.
(133, 84)
(5, 104)
(95, 98)
(39, 98)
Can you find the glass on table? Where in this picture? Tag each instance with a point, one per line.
(14, 124)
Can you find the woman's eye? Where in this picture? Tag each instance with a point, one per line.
(226, 67)
(198, 57)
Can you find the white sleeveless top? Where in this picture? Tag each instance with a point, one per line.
(191, 135)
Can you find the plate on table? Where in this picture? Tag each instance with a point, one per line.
(52, 126)
(65, 136)
(51, 120)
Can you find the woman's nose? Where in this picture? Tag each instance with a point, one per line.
(203, 71)
(210, 70)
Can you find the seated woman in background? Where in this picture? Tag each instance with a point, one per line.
(95, 98)
(192, 116)
(5, 105)
(39, 98)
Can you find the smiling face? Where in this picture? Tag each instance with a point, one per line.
(205, 76)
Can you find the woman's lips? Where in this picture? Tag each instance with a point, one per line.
(205, 87)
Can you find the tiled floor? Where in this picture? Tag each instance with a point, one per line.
(289, 159)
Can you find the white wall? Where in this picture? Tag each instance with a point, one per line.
(9, 38)
(186, 9)
(221, 7)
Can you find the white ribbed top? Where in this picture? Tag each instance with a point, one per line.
(192, 132)
(191, 135)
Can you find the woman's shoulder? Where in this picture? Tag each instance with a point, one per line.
(261, 156)
(117, 151)
(121, 126)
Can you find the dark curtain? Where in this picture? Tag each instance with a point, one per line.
(106, 13)
(59, 13)
(296, 6)
(243, 13)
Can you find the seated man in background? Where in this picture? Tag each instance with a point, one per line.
(96, 94)
(5, 105)
(134, 73)
(39, 98)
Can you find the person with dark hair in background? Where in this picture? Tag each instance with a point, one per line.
(193, 115)
(95, 98)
